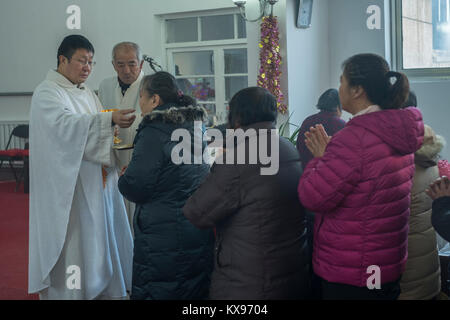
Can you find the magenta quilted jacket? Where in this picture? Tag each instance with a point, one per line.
(360, 192)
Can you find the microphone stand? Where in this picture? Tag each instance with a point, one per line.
(153, 64)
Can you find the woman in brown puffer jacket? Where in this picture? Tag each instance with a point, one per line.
(421, 279)
(260, 250)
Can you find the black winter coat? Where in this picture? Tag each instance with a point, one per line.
(261, 250)
(172, 259)
(440, 217)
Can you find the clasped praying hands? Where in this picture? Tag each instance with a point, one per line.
(317, 140)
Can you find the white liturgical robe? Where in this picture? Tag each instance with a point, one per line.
(80, 243)
(110, 95)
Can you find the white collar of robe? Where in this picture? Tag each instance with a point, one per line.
(57, 77)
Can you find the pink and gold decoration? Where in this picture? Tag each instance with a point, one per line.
(270, 60)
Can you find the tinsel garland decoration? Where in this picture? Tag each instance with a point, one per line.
(270, 60)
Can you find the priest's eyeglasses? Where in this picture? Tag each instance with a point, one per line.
(85, 63)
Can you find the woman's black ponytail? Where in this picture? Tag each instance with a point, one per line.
(185, 101)
(371, 72)
(397, 92)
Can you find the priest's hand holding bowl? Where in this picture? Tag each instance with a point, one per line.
(122, 118)
(317, 140)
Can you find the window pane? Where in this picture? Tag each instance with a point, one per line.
(242, 27)
(233, 85)
(212, 118)
(224, 116)
(217, 27)
(193, 63)
(202, 89)
(426, 33)
(182, 30)
(235, 61)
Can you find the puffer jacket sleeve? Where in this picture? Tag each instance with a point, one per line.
(328, 179)
(217, 198)
(139, 180)
(440, 217)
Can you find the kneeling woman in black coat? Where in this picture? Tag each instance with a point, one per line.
(172, 258)
(261, 250)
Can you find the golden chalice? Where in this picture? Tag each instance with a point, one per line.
(117, 140)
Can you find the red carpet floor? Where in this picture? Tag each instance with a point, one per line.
(13, 243)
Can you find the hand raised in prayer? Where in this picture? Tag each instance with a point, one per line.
(123, 118)
(439, 188)
(317, 140)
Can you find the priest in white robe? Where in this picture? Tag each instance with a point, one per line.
(122, 92)
(80, 243)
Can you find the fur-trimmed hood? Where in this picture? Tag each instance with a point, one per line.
(176, 114)
(427, 155)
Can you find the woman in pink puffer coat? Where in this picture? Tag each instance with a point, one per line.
(359, 184)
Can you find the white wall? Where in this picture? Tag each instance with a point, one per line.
(15, 108)
(106, 23)
(305, 55)
(312, 57)
(307, 60)
(297, 83)
(433, 99)
(349, 35)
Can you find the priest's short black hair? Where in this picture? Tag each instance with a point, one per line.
(72, 43)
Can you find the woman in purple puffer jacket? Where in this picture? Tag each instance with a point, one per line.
(359, 184)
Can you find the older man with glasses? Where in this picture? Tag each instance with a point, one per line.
(122, 92)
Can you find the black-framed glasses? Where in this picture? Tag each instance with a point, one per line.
(85, 63)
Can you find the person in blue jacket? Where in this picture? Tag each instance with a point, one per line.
(439, 191)
(172, 259)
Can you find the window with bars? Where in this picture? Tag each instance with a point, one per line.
(208, 56)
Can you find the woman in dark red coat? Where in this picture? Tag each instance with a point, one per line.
(260, 250)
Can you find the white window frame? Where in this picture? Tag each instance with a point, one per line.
(217, 46)
(421, 74)
(219, 73)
